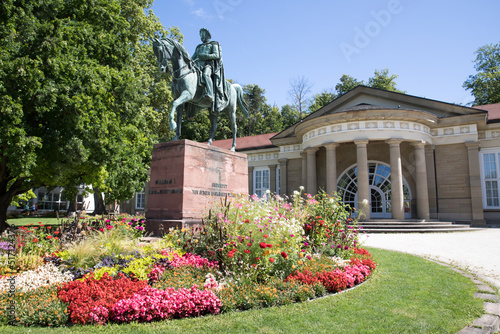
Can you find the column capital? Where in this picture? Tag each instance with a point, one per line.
(273, 167)
(282, 160)
(331, 146)
(250, 168)
(430, 148)
(360, 142)
(472, 145)
(311, 150)
(394, 141)
(303, 154)
(419, 144)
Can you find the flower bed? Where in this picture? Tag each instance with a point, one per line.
(251, 253)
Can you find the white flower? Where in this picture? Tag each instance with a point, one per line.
(296, 193)
(365, 202)
(301, 188)
(268, 191)
(45, 275)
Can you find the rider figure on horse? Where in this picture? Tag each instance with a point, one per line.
(208, 57)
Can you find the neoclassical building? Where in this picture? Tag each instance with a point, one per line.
(407, 157)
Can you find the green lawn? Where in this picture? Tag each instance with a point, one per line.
(406, 294)
(34, 220)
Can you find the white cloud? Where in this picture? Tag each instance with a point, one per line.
(200, 12)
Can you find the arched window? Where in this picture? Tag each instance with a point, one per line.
(379, 181)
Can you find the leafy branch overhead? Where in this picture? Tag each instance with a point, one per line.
(79, 95)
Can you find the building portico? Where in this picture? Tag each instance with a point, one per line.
(391, 156)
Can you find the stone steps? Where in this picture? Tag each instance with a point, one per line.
(412, 226)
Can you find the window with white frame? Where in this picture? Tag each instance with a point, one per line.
(139, 200)
(490, 178)
(261, 178)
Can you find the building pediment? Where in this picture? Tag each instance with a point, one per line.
(366, 103)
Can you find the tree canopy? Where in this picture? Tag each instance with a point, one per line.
(485, 84)
(381, 79)
(77, 90)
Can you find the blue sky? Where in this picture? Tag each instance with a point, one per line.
(429, 44)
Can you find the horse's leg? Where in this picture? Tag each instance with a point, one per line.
(232, 120)
(180, 110)
(231, 108)
(213, 127)
(183, 98)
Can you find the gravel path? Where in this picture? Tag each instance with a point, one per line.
(476, 251)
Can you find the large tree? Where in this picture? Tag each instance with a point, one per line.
(485, 84)
(75, 95)
(300, 89)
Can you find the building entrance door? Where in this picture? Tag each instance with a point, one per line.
(379, 179)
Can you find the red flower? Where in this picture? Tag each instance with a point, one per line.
(49, 237)
(56, 238)
(265, 235)
(49, 227)
(271, 260)
(249, 244)
(269, 245)
(41, 225)
(56, 232)
(285, 255)
(263, 245)
(246, 221)
(247, 251)
(35, 240)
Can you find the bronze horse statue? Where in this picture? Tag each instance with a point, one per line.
(186, 87)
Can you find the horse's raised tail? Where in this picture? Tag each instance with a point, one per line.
(241, 100)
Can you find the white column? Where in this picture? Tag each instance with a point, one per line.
(331, 168)
(283, 175)
(312, 185)
(475, 185)
(303, 155)
(421, 181)
(397, 196)
(363, 185)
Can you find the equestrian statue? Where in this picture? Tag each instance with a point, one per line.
(199, 82)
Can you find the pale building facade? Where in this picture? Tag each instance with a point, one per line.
(407, 157)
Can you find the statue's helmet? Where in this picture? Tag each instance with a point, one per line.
(207, 33)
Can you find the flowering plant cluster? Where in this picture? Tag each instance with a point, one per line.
(152, 304)
(38, 239)
(338, 279)
(251, 252)
(88, 294)
(256, 238)
(45, 275)
(330, 228)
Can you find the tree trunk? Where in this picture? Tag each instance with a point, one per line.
(99, 207)
(4, 206)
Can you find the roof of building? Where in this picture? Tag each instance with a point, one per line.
(247, 143)
(493, 111)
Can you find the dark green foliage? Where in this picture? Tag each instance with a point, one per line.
(485, 84)
(77, 91)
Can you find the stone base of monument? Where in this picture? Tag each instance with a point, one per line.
(186, 179)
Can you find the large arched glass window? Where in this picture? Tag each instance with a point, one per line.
(379, 181)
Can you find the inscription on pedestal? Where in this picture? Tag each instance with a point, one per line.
(186, 176)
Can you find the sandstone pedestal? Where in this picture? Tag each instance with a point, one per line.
(186, 178)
